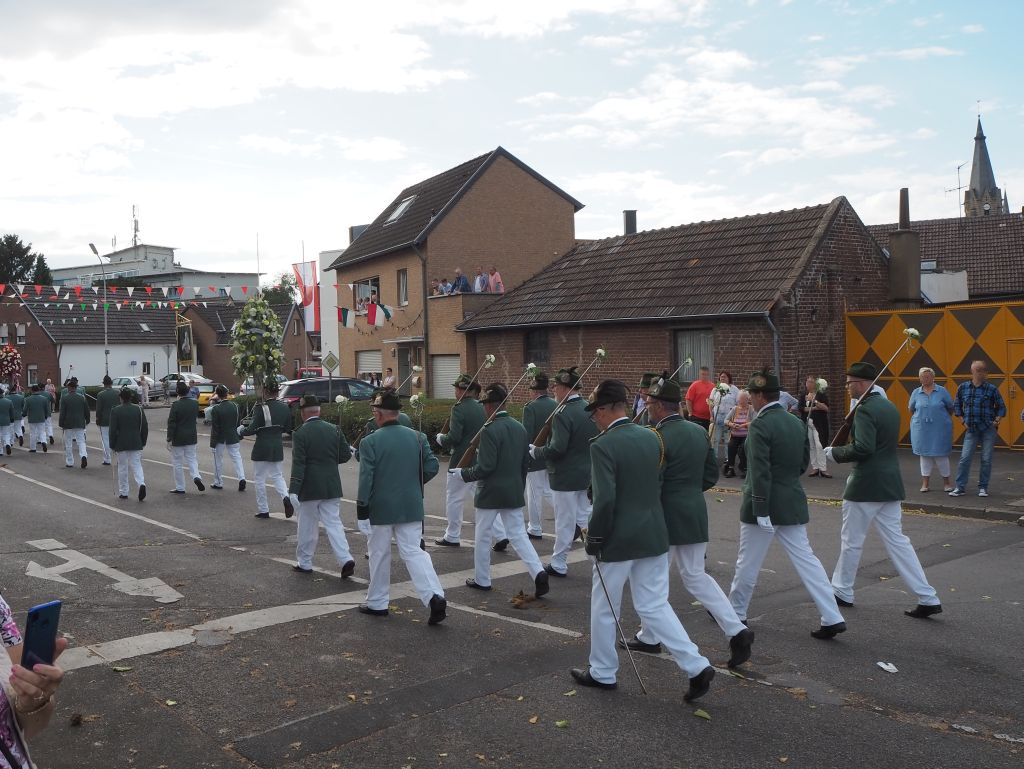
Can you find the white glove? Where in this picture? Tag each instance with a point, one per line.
(295, 500)
(240, 429)
(533, 451)
(440, 438)
(452, 472)
(765, 523)
(828, 454)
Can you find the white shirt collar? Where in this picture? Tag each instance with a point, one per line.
(767, 406)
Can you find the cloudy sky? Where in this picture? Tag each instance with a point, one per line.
(293, 119)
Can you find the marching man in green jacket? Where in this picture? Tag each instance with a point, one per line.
(224, 421)
(394, 464)
(690, 469)
(74, 416)
(566, 453)
(17, 399)
(499, 470)
(106, 401)
(270, 421)
(775, 506)
(7, 418)
(315, 489)
(129, 432)
(37, 410)
(182, 439)
(538, 487)
(629, 540)
(873, 494)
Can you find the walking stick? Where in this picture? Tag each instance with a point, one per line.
(545, 429)
(618, 626)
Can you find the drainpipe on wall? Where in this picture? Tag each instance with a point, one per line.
(426, 318)
(775, 343)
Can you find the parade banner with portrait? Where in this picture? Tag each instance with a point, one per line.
(184, 341)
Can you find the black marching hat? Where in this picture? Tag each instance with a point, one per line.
(309, 401)
(568, 377)
(763, 381)
(606, 393)
(387, 400)
(862, 370)
(466, 382)
(495, 393)
(539, 381)
(665, 389)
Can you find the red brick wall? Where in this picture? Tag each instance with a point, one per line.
(38, 350)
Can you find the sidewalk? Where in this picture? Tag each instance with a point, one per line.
(1004, 503)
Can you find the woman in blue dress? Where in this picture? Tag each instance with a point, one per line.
(931, 427)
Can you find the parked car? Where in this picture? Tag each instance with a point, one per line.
(206, 392)
(248, 388)
(156, 388)
(326, 389)
(170, 381)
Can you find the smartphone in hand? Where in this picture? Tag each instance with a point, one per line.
(41, 634)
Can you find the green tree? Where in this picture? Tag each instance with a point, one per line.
(285, 290)
(19, 265)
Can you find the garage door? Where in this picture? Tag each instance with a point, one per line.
(368, 362)
(443, 371)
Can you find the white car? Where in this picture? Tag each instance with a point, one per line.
(171, 380)
(156, 389)
(248, 388)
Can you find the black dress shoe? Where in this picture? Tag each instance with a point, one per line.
(199, 483)
(44, 446)
(423, 545)
(577, 534)
(364, 609)
(541, 586)
(828, 632)
(122, 496)
(445, 543)
(51, 440)
(844, 604)
(634, 644)
(21, 440)
(215, 487)
(299, 569)
(531, 536)
(7, 450)
(699, 684)
(740, 645)
(500, 546)
(262, 515)
(106, 464)
(438, 607)
(476, 586)
(348, 569)
(583, 678)
(825, 475)
(289, 508)
(923, 612)
(142, 492)
(551, 570)
(176, 491)
(241, 485)
(85, 462)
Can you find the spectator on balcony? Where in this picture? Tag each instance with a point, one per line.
(494, 283)
(480, 283)
(446, 287)
(435, 288)
(461, 284)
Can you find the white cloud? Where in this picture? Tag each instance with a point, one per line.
(279, 146)
(925, 52)
(613, 42)
(972, 29)
(377, 148)
(539, 99)
(720, 64)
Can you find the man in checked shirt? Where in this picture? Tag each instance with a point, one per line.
(980, 406)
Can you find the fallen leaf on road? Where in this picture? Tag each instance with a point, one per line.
(77, 719)
(295, 745)
(983, 598)
(352, 697)
(170, 703)
(519, 698)
(701, 713)
(290, 703)
(888, 667)
(561, 724)
(696, 603)
(481, 757)
(121, 669)
(570, 693)
(783, 759)
(534, 719)
(947, 546)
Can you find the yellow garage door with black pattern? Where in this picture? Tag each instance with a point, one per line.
(951, 338)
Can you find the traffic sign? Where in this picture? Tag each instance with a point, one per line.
(330, 361)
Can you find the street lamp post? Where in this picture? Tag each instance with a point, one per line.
(106, 345)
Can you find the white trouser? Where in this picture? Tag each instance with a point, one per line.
(105, 442)
(76, 434)
(312, 513)
(754, 544)
(939, 463)
(48, 424)
(689, 559)
(268, 471)
(129, 462)
(19, 426)
(648, 585)
(179, 456)
(455, 494)
(7, 435)
(417, 563)
(572, 509)
(818, 461)
(538, 488)
(857, 518)
(235, 452)
(36, 433)
(514, 530)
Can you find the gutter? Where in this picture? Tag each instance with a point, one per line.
(710, 315)
(775, 341)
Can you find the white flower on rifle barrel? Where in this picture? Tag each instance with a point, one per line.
(913, 333)
(688, 362)
(601, 353)
(340, 399)
(723, 388)
(489, 360)
(530, 368)
(414, 400)
(820, 384)
(417, 369)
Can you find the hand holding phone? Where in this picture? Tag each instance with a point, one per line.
(41, 635)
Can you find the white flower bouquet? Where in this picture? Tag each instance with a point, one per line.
(10, 362)
(256, 342)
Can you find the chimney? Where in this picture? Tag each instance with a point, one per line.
(904, 257)
(629, 222)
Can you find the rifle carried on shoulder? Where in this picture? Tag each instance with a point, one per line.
(545, 429)
(469, 455)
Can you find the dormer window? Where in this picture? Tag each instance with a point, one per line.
(145, 327)
(400, 209)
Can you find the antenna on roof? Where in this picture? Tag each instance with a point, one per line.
(135, 226)
(959, 186)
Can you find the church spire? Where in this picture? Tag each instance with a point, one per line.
(983, 197)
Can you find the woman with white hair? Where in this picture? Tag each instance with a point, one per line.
(931, 427)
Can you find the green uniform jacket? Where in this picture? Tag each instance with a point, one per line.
(107, 400)
(644, 420)
(269, 446)
(501, 464)
(7, 412)
(566, 452)
(18, 400)
(467, 419)
(318, 447)
(685, 479)
(37, 408)
(390, 461)
(129, 429)
(181, 422)
(535, 414)
(873, 436)
(224, 423)
(777, 455)
(627, 515)
(371, 423)
(74, 411)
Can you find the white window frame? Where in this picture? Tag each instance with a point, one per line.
(21, 330)
(400, 209)
(403, 287)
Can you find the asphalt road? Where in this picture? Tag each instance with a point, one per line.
(250, 664)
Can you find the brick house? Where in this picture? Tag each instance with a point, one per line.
(733, 294)
(211, 332)
(491, 210)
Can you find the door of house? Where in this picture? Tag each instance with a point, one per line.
(1015, 392)
(444, 369)
(404, 369)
